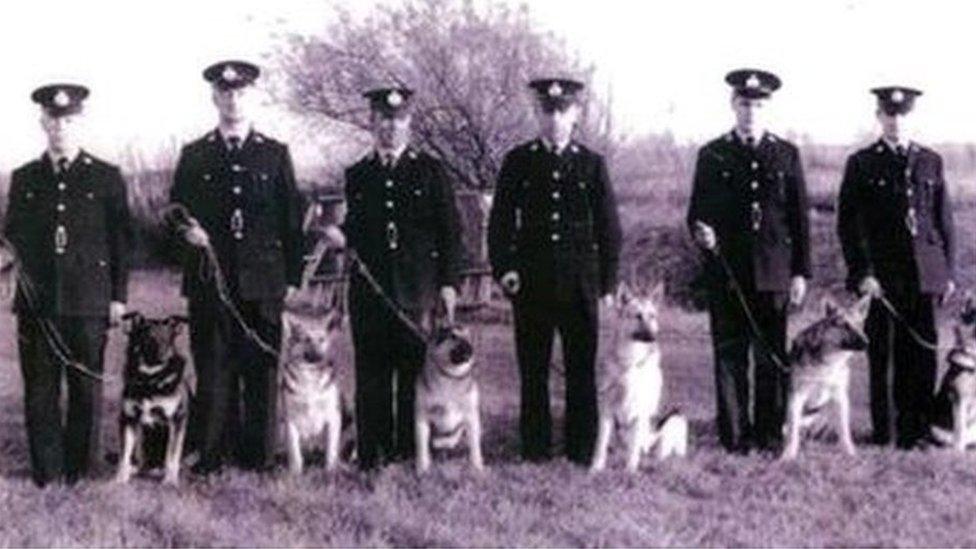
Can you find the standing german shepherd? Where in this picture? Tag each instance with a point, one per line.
(819, 364)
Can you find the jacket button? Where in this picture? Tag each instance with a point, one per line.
(755, 165)
(555, 216)
(389, 183)
(206, 177)
(239, 236)
(555, 195)
(754, 185)
(555, 237)
(61, 207)
(62, 186)
(556, 175)
(237, 190)
(394, 245)
(909, 192)
(237, 168)
(389, 204)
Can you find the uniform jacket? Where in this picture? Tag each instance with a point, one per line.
(756, 200)
(895, 218)
(403, 223)
(72, 234)
(554, 219)
(248, 204)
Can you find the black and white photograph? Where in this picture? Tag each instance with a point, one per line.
(487, 273)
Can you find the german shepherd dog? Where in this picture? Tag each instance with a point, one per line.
(819, 363)
(955, 403)
(631, 384)
(310, 396)
(447, 403)
(156, 391)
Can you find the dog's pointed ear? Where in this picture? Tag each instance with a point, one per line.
(624, 294)
(292, 328)
(859, 310)
(131, 320)
(177, 322)
(334, 321)
(968, 314)
(829, 306)
(657, 293)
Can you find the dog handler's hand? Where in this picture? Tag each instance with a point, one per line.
(449, 299)
(705, 236)
(511, 283)
(606, 300)
(115, 311)
(798, 290)
(870, 286)
(196, 236)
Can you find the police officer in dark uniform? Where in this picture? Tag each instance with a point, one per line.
(748, 213)
(895, 225)
(554, 243)
(403, 225)
(68, 221)
(238, 187)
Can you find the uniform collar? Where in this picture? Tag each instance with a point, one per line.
(892, 146)
(396, 154)
(544, 144)
(740, 138)
(53, 158)
(225, 135)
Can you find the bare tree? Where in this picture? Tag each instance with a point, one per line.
(469, 65)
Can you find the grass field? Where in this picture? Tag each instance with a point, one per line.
(878, 498)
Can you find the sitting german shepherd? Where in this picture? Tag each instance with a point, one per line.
(819, 361)
(156, 391)
(631, 384)
(955, 403)
(447, 406)
(310, 396)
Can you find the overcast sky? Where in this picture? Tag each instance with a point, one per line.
(664, 62)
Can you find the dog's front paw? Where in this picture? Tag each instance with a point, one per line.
(788, 455)
(122, 478)
(172, 480)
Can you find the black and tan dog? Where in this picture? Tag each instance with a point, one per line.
(447, 404)
(819, 363)
(954, 423)
(156, 391)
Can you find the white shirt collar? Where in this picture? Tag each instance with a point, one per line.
(395, 154)
(552, 147)
(226, 134)
(893, 145)
(54, 157)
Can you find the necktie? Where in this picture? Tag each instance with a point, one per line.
(62, 165)
(900, 149)
(235, 143)
(751, 141)
(387, 160)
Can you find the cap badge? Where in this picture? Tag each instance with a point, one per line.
(555, 90)
(394, 98)
(897, 96)
(229, 74)
(752, 81)
(61, 99)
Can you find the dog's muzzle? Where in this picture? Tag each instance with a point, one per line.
(644, 336)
